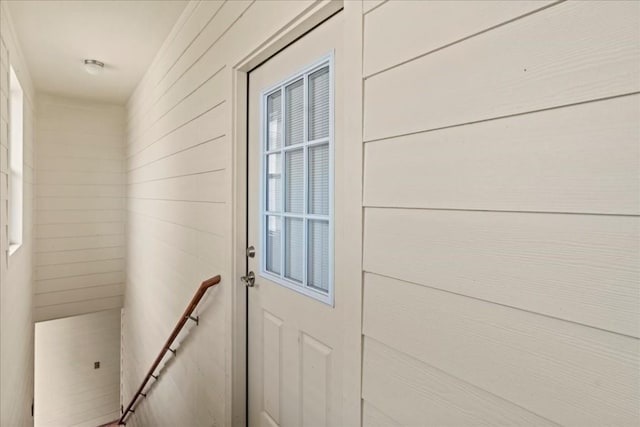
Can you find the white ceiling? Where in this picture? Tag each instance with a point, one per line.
(56, 36)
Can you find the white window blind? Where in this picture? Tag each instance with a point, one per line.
(297, 228)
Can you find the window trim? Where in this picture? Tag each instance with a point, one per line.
(15, 218)
(304, 288)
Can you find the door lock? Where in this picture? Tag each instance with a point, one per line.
(249, 280)
(251, 252)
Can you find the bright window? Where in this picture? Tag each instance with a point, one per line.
(16, 125)
(297, 182)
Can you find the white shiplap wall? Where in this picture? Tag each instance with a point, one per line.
(16, 325)
(500, 211)
(179, 169)
(80, 193)
(69, 391)
(501, 195)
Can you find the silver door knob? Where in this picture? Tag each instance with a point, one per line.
(249, 280)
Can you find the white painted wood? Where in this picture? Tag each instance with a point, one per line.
(430, 25)
(78, 216)
(573, 159)
(198, 187)
(98, 421)
(4, 162)
(78, 282)
(171, 120)
(165, 273)
(205, 157)
(311, 340)
(181, 74)
(207, 37)
(206, 127)
(78, 268)
(350, 229)
(183, 238)
(368, 5)
(4, 78)
(4, 106)
(82, 120)
(58, 311)
(78, 149)
(415, 393)
(77, 243)
(4, 133)
(80, 204)
(272, 363)
(528, 65)
(78, 190)
(77, 295)
(89, 178)
(16, 311)
(199, 102)
(171, 100)
(582, 268)
(542, 364)
(54, 258)
(68, 390)
(4, 56)
(79, 165)
(195, 17)
(316, 382)
(79, 229)
(168, 51)
(372, 417)
(177, 129)
(205, 217)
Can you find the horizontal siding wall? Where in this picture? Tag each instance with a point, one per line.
(69, 391)
(80, 220)
(16, 271)
(179, 208)
(502, 203)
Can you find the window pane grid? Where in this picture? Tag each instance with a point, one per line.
(295, 215)
(318, 260)
(274, 120)
(295, 112)
(295, 171)
(304, 178)
(273, 243)
(299, 216)
(319, 106)
(298, 146)
(274, 185)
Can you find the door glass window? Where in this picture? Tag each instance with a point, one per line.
(297, 180)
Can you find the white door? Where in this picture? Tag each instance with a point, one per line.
(295, 310)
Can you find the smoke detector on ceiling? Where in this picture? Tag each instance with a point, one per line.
(93, 66)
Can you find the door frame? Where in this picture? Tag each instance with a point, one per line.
(313, 16)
